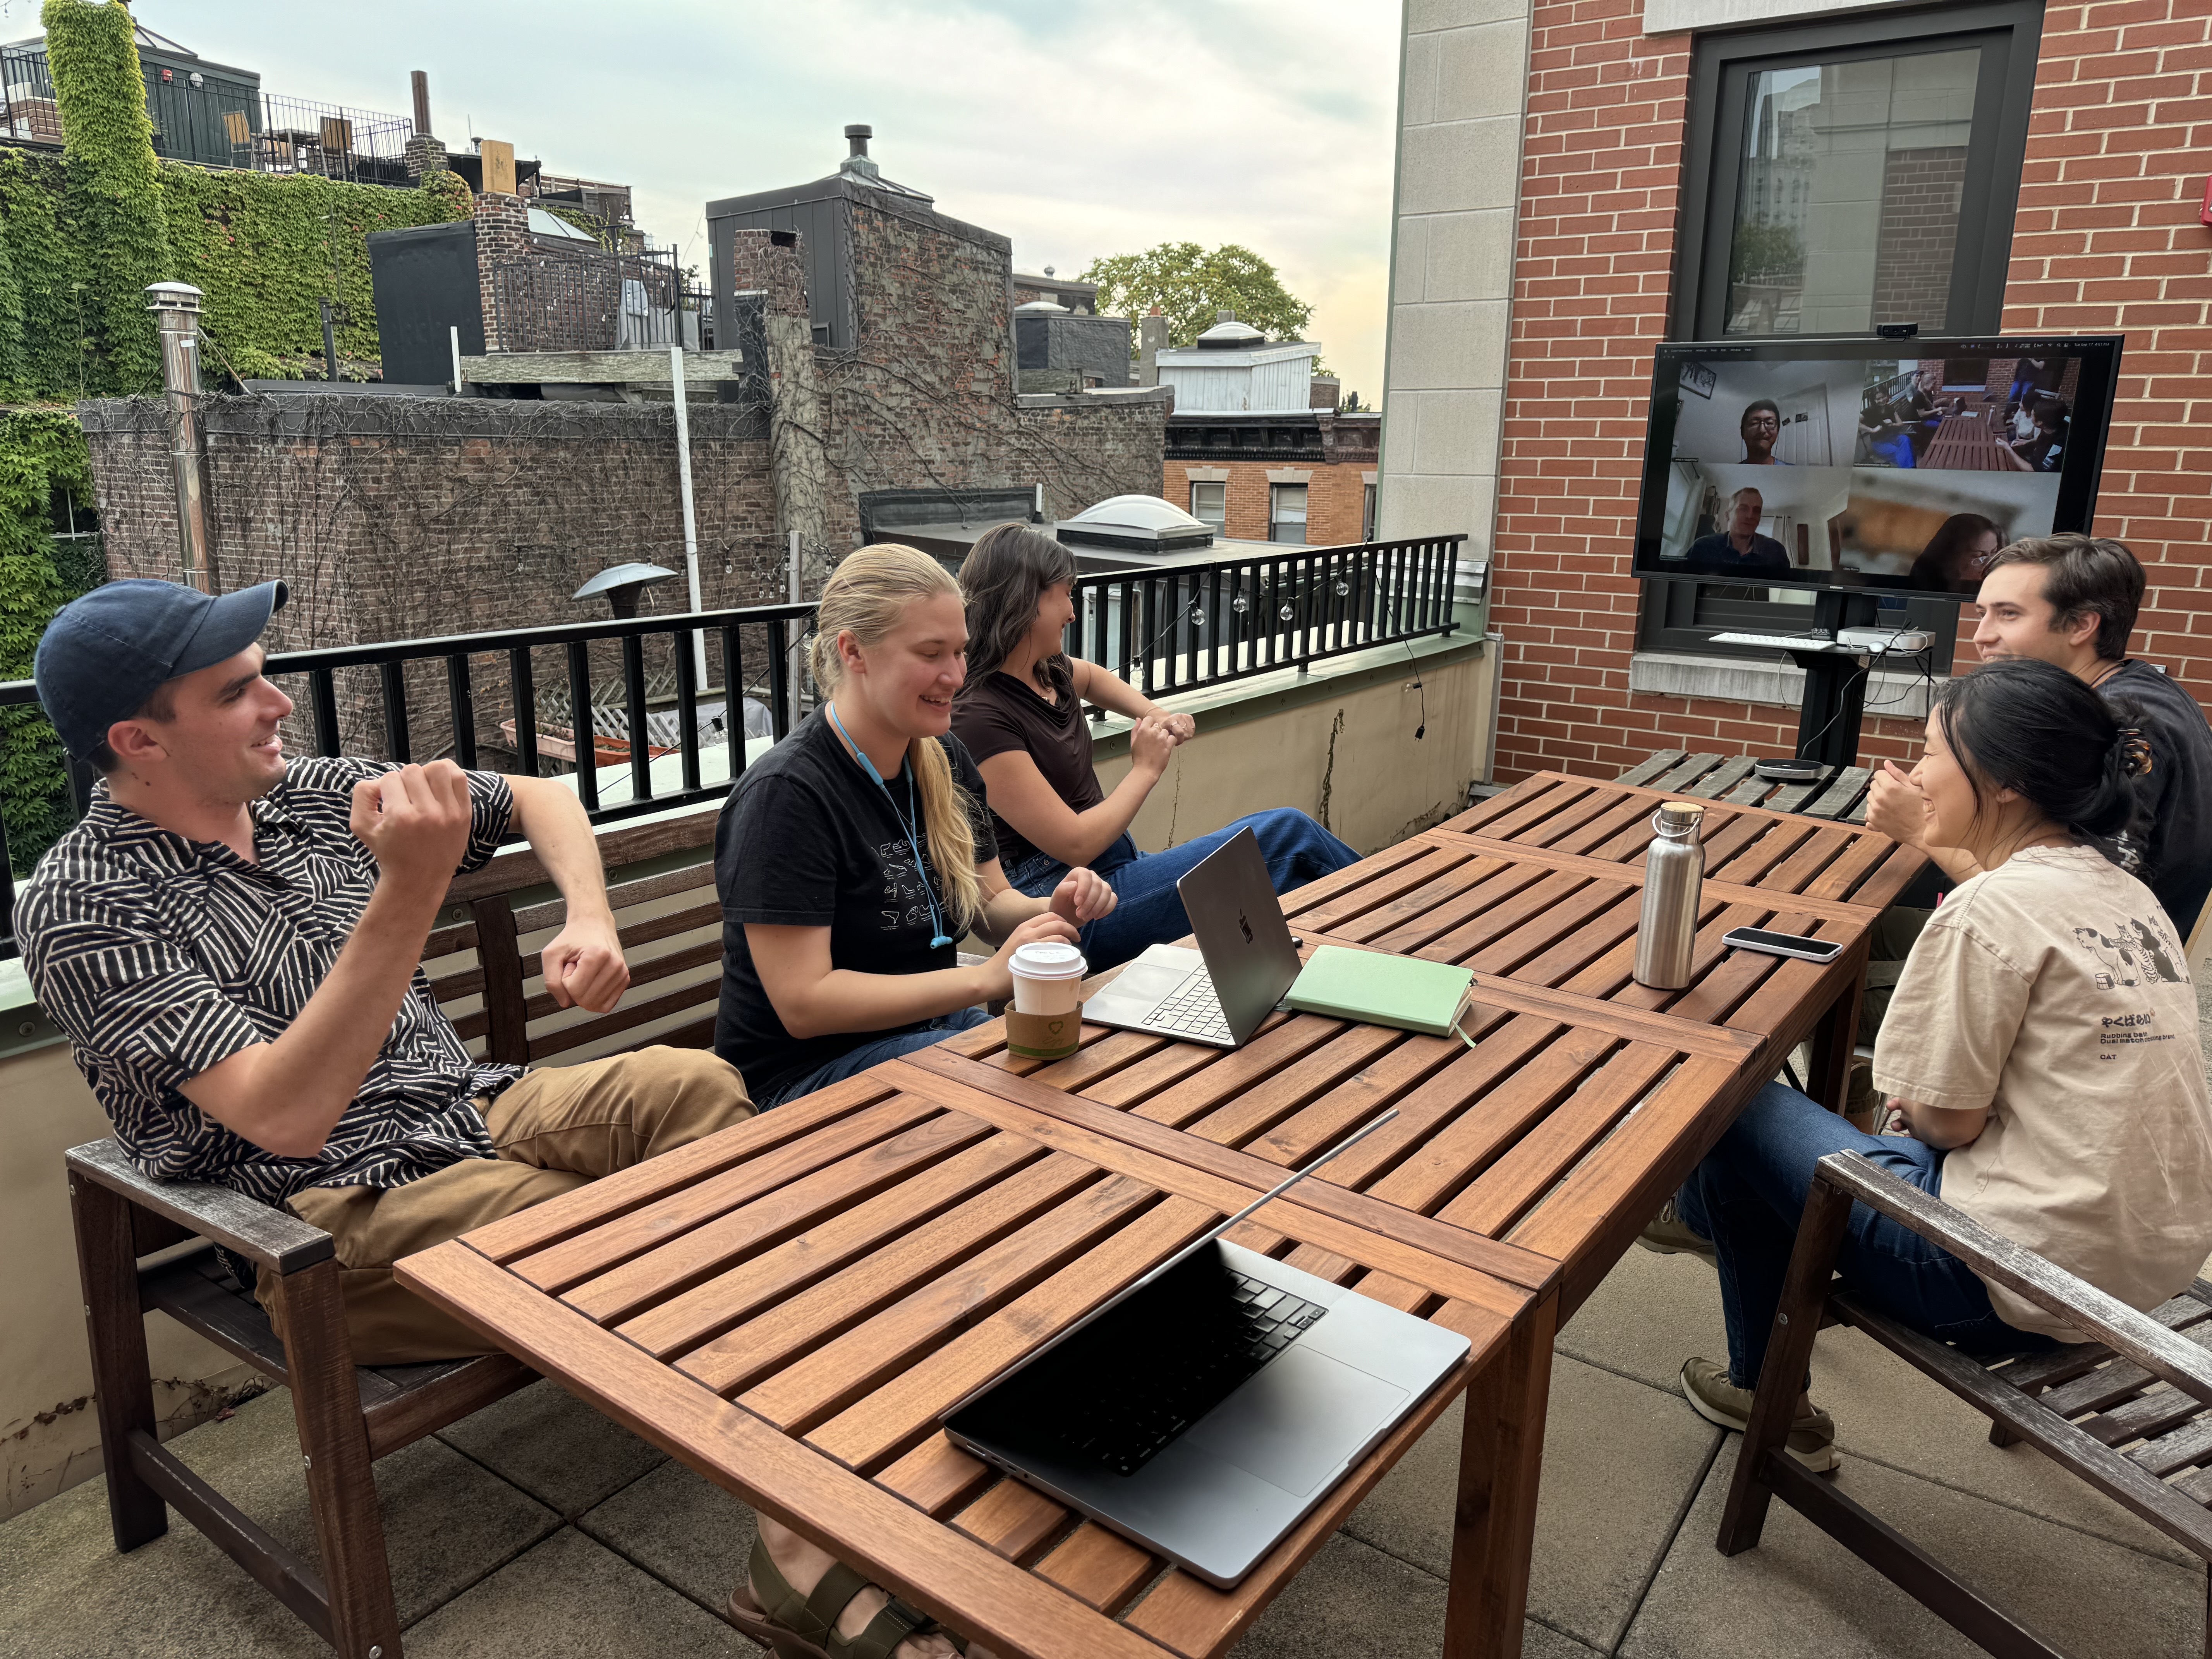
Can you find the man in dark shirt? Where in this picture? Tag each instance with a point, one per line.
(231, 940)
(2072, 600)
(1739, 550)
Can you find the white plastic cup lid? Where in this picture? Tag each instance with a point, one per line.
(1049, 960)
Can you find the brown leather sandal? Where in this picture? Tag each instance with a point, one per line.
(795, 1627)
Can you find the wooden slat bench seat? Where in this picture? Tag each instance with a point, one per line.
(1840, 793)
(2129, 1412)
(350, 1415)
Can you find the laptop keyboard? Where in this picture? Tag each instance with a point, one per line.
(1124, 1430)
(1193, 1010)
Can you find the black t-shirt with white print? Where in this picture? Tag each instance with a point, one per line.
(808, 840)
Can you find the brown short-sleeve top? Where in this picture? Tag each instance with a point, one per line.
(998, 714)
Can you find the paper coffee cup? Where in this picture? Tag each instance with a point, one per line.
(1048, 978)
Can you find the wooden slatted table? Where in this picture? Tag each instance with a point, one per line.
(789, 1306)
(1965, 443)
(1840, 795)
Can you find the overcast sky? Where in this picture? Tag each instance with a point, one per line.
(1075, 127)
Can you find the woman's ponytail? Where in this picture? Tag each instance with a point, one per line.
(952, 833)
(865, 596)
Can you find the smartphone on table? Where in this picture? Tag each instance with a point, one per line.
(1801, 945)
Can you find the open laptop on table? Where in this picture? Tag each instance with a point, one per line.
(1245, 960)
(1206, 1408)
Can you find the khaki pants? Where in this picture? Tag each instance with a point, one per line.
(555, 1129)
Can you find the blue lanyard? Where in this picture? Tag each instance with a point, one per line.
(936, 921)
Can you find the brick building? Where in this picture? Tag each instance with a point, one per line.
(1255, 447)
(397, 517)
(1558, 216)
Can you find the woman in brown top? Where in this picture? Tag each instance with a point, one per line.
(1020, 715)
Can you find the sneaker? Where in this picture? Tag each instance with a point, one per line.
(1667, 1234)
(1713, 1397)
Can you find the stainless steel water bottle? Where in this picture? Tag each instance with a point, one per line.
(1674, 880)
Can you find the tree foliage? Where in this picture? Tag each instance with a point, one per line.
(115, 202)
(1192, 285)
(1763, 250)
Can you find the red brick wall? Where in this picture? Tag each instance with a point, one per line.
(2106, 238)
(1336, 502)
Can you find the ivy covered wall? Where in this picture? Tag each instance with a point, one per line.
(263, 249)
(42, 455)
(82, 235)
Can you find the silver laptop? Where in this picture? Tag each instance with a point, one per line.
(1245, 960)
(1204, 1410)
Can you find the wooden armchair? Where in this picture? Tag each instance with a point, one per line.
(2095, 1407)
(349, 1416)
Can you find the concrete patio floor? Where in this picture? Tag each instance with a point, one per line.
(537, 1528)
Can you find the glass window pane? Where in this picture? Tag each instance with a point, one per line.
(1209, 503)
(1847, 208)
(1286, 513)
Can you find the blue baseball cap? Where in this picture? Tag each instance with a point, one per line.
(104, 654)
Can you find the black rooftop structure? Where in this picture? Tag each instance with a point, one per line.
(821, 213)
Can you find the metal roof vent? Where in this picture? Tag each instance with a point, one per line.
(856, 160)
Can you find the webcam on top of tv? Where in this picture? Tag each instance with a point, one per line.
(1896, 330)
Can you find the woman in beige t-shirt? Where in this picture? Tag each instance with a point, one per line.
(2041, 1048)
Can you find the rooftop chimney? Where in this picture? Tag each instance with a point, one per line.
(858, 137)
(421, 80)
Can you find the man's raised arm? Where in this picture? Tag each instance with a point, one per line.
(287, 1096)
(583, 964)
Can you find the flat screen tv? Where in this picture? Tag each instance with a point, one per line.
(1872, 466)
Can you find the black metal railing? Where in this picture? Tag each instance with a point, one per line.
(28, 94)
(457, 696)
(1177, 628)
(697, 685)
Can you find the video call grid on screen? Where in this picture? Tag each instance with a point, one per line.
(1884, 466)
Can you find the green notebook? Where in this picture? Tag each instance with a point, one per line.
(1379, 989)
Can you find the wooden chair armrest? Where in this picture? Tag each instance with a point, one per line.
(2159, 1350)
(262, 1233)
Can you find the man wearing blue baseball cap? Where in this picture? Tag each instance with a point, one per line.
(232, 941)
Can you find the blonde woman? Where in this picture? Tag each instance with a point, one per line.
(852, 856)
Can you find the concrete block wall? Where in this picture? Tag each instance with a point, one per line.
(1451, 266)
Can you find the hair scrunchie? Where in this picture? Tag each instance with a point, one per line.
(2129, 755)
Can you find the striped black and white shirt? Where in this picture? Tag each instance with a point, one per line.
(160, 957)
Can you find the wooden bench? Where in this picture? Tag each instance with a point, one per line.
(2130, 1412)
(1840, 794)
(482, 957)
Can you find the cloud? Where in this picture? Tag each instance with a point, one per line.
(1076, 128)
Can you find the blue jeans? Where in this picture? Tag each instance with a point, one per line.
(853, 1062)
(1148, 910)
(1748, 1197)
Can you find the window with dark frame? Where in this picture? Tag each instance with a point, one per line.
(1842, 175)
(1286, 513)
